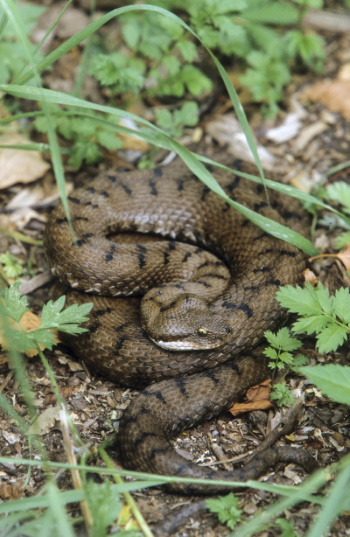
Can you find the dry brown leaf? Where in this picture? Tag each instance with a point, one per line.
(344, 256)
(11, 491)
(73, 366)
(19, 165)
(334, 94)
(310, 277)
(257, 399)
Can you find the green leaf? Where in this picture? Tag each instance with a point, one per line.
(340, 192)
(286, 357)
(41, 336)
(164, 118)
(325, 301)
(104, 503)
(273, 13)
(271, 353)
(283, 340)
(342, 240)
(171, 64)
(299, 360)
(342, 304)
(188, 50)
(287, 527)
(19, 339)
(298, 300)
(187, 114)
(309, 325)
(281, 394)
(15, 304)
(12, 265)
(66, 320)
(333, 380)
(195, 80)
(331, 338)
(109, 139)
(226, 507)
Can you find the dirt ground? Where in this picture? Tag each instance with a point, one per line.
(318, 138)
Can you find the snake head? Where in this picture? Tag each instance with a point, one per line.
(185, 323)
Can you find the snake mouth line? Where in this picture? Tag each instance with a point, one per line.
(178, 345)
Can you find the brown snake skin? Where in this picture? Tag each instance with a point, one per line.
(188, 386)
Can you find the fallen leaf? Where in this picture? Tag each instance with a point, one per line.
(227, 131)
(334, 94)
(344, 256)
(73, 366)
(257, 399)
(11, 491)
(240, 408)
(19, 165)
(45, 421)
(11, 438)
(310, 277)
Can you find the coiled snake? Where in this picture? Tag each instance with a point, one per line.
(174, 219)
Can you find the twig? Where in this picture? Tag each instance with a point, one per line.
(77, 483)
(177, 519)
(283, 428)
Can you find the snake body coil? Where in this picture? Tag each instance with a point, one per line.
(158, 208)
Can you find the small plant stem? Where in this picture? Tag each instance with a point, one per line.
(322, 255)
(58, 396)
(20, 237)
(127, 496)
(76, 478)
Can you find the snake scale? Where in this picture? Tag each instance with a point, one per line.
(175, 219)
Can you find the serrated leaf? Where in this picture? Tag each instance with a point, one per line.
(187, 114)
(15, 304)
(333, 380)
(286, 357)
(271, 338)
(325, 301)
(42, 337)
(299, 361)
(314, 323)
(196, 81)
(271, 353)
(331, 338)
(66, 320)
(340, 192)
(342, 304)
(226, 507)
(19, 340)
(281, 394)
(109, 139)
(104, 504)
(171, 64)
(298, 300)
(188, 50)
(13, 267)
(283, 340)
(342, 240)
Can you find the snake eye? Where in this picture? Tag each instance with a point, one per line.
(202, 331)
